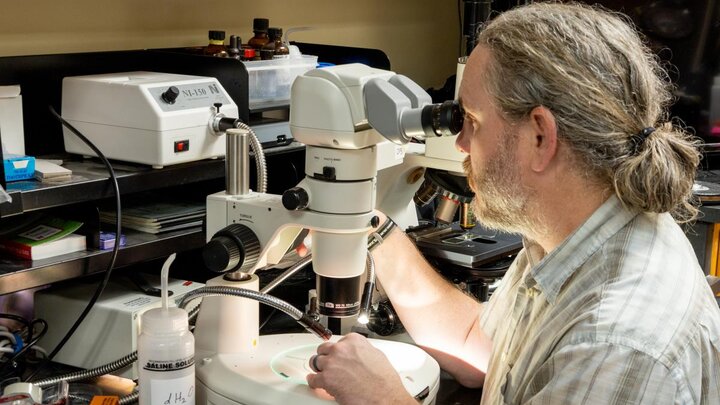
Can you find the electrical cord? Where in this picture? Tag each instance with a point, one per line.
(12, 362)
(116, 245)
(303, 319)
(91, 373)
(13, 343)
(20, 319)
(260, 164)
(267, 319)
(460, 28)
(130, 399)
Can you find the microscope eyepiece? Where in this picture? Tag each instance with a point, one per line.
(442, 119)
(449, 117)
(400, 110)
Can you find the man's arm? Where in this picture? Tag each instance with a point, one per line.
(437, 315)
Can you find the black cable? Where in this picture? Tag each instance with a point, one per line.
(28, 346)
(295, 172)
(116, 245)
(27, 325)
(267, 319)
(22, 320)
(460, 29)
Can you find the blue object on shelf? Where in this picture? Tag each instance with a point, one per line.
(107, 240)
(18, 167)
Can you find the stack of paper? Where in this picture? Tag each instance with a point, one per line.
(159, 217)
(48, 170)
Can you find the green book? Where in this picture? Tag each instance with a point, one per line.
(45, 238)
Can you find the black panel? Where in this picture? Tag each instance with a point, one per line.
(345, 54)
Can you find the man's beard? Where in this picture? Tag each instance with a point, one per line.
(501, 202)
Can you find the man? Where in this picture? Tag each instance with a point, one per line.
(568, 145)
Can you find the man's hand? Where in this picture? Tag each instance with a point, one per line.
(355, 372)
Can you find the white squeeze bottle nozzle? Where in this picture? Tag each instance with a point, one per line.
(164, 274)
(166, 352)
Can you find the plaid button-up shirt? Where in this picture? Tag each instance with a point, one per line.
(620, 313)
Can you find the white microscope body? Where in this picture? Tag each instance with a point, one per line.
(338, 113)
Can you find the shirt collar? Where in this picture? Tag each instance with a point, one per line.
(552, 271)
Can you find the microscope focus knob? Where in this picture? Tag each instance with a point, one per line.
(233, 248)
(170, 95)
(295, 199)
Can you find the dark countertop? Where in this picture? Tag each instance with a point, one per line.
(452, 393)
(710, 214)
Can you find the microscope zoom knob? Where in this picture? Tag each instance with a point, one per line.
(295, 199)
(170, 95)
(233, 248)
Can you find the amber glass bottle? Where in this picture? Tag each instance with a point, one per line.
(281, 50)
(276, 45)
(260, 29)
(216, 45)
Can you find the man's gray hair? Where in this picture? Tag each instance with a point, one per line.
(591, 68)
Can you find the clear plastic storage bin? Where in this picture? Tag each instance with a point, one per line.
(269, 81)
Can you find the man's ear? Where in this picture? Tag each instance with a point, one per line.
(545, 145)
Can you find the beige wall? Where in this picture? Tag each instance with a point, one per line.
(419, 36)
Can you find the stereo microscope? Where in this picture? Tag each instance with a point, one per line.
(354, 121)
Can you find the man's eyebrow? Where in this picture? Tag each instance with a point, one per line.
(462, 105)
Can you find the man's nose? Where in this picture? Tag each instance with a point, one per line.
(461, 143)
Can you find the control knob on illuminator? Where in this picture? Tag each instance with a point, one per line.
(170, 95)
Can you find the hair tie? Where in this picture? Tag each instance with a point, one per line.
(646, 132)
(639, 138)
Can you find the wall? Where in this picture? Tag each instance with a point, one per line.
(419, 36)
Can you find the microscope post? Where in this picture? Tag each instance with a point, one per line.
(225, 324)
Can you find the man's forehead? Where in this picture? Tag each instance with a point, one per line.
(474, 75)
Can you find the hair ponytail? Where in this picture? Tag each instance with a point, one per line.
(658, 175)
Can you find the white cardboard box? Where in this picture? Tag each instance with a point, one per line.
(11, 120)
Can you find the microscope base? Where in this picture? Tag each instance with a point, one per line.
(275, 373)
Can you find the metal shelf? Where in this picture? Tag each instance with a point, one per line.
(18, 274)
(90, 181)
